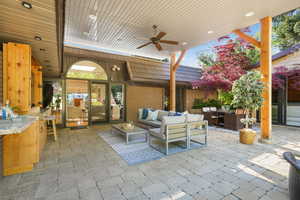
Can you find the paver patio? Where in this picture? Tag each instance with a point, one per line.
(80, 165)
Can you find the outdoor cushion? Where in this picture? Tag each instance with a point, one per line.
(156, 132)
(152, 123)
(171, 120)
(161, 114)
(194, 117)
(213, 109)
(205, 109)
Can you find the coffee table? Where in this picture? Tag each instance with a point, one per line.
(118, 128)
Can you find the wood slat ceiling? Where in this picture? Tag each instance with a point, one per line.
(18, 24)
(121, 26)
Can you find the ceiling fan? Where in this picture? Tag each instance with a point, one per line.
(156, 40)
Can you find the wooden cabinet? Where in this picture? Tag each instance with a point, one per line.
(17, 76)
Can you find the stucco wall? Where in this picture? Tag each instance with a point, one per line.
(142, 97)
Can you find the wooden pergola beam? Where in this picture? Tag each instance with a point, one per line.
(173, 68)
(247, 38)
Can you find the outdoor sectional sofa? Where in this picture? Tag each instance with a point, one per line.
(171, 127)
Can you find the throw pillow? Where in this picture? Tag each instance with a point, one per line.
(140, 113)
(145, 113)
(154, 115)
(161, 114)
(149, 116)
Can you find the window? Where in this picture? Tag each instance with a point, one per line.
(87, 70)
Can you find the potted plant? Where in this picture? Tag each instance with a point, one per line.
(247, 94)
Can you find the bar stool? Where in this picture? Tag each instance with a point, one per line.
(50, 119)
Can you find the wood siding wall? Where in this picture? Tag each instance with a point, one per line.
(191, 95)
(142, 97)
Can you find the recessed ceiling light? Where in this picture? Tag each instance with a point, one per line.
(26, 5)
(42, 49)
(184, 43)
(249, 14)
(38, 38)
(210, 32)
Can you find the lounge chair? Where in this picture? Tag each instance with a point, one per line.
(173, 129)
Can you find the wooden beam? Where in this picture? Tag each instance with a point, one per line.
(247, 38)
(176, 65)
(266, 70)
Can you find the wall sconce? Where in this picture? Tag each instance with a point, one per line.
(115, 68)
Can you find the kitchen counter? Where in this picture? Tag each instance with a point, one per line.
(17, 125)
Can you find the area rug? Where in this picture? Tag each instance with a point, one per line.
(140, 152)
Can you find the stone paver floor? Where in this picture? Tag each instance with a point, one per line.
(82, 166)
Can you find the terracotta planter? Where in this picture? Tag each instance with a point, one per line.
(247, 136)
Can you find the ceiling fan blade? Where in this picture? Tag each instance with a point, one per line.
(158, 46)
(169, 42)
(160, 35)
(144, 45)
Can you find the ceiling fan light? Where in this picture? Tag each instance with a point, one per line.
(38, 38)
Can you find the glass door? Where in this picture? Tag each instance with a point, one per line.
(98, 112)
(77, 101)
(117, 102)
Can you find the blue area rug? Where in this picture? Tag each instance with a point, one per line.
(140, 152)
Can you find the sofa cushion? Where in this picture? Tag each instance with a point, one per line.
(153, 123)
(171, 120)
(194, 117)
(161, 114)
(157, 132)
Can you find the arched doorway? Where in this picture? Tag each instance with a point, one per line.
(86, 94)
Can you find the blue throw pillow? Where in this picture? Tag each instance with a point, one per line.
(145, 113)
(178, 114)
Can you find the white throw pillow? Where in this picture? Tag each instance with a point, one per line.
(149, 116)
(205, 109)
(213, 109)
(140, 113)
(154, 115)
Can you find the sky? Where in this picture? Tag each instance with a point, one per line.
(191, 56)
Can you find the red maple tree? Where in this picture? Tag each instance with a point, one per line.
(231, 63)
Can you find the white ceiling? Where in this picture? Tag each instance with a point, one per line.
(18, 24)
(123, 25)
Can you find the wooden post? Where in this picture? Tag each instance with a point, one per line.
(266, 70)
(172, 101)
(265, 46)
(173, 67)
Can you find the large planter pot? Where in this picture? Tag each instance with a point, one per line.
(247, 136)
(294, 175)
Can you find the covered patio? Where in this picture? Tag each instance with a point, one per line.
(95, 69)
(83, 166)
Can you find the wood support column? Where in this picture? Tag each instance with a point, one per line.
(266, 70)
(173, 68)
(265, 46)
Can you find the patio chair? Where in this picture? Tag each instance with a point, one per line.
(173, 129)
(197, 128)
